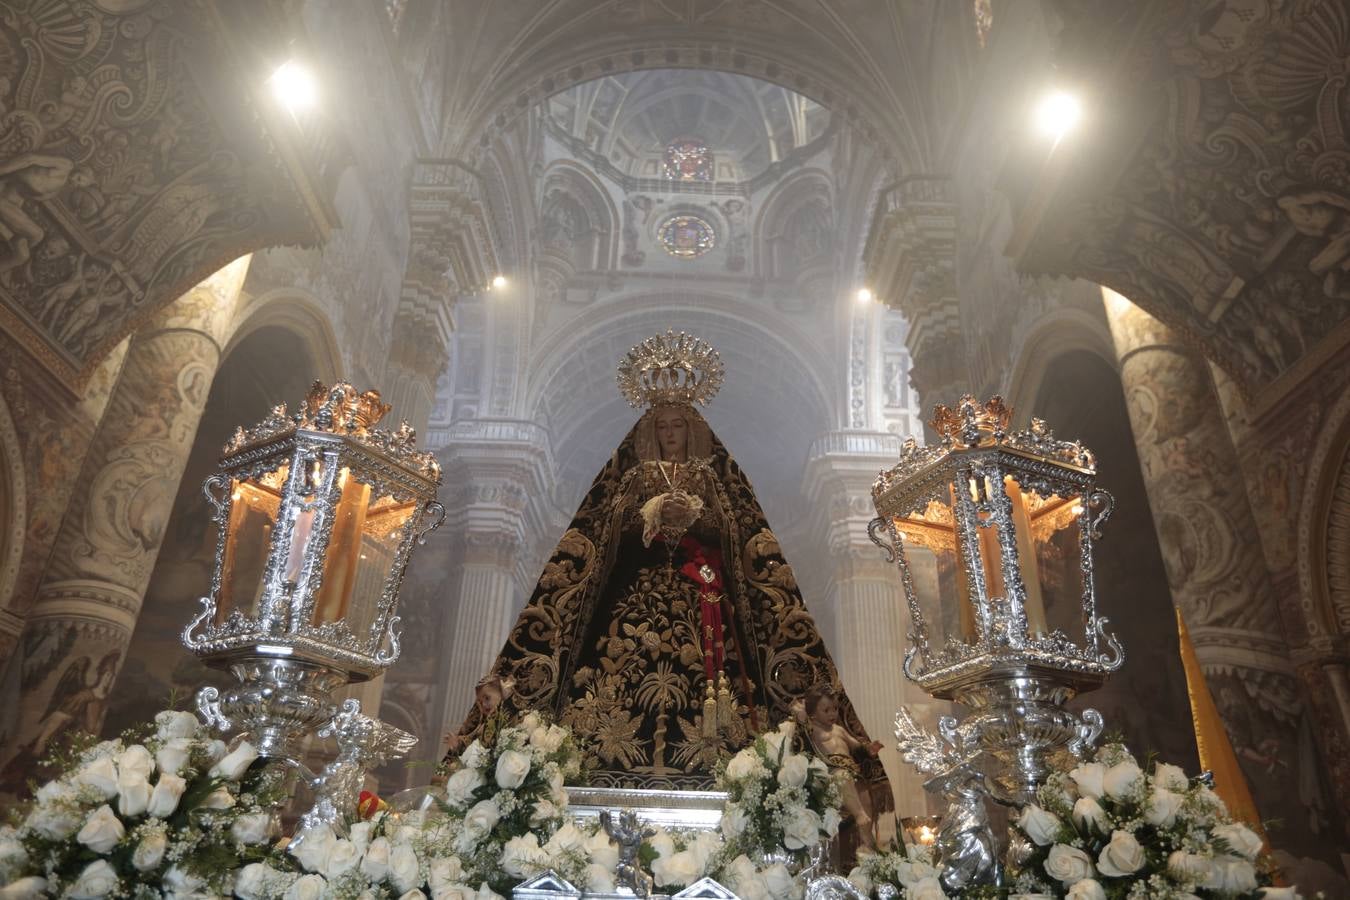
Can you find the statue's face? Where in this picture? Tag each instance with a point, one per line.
(672, 435)
(826, 712)
(489, 698)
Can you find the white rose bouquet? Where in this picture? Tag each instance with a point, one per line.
(168, 810)
(912, 873)
(1107, 828)
(777, 801)
(506, 802)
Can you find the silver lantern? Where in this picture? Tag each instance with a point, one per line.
(993, 531)
(317, 514)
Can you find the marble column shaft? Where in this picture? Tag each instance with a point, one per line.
(90, 594)
(1211, 548)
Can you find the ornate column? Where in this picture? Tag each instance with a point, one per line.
(910, 258)
(90, 595)
(1211, 548)
(863, 599)
(498, 485)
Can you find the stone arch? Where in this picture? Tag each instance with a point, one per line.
(830, 79)
(1324, 529)
(594, 246)
(1058, 332)
(13, 507)
(300, 313)
(793, 228)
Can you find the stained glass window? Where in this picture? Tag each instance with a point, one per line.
(688, 159)
(687, 237)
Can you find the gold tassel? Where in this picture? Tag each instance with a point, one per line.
(1211, 740)
(710, 713)
(726, 710)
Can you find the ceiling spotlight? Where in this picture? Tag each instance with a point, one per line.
(1057, 114)
(499, 282)
(294, 86)
(864, 295)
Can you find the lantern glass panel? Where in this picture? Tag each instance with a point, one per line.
(930, 545)
(254, 504)
(362, 545)
(1051, 559)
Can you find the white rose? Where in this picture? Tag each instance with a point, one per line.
(745, 764)
(359, 834)
(743, 878)
(405, 872)
(342, 857)
(164, 798)
(220, 798)
(1088, 777)
(236, 762)
(1161, 808)
(150, 851)
(676, 870)
(252, 882)
(216, 750)
(97, 880)
(1189, 867)
(375, 865)
(133, 794)
(53, 821)
(602, 850)
(180, 881)
(911, 871)
(774, 745)
(1231, 875)
(135, 762)
(793, 771)
(778, 881)
(599, 879)
(1089, 816)
(704, 845)
(13, 854)
(1122, 780)
(1041, 826)
(830, 822)
(1240, 839)
(662, 842)
(100, 776)
(927, 889)
(56, 792)
(102, 830)
(543, 811)
(1280, 893)
(310, 847)
(530, 721)
(547, 739)
(171, 724)
(522, 856)
(461, 785)
(29, 888)
(802, 829)
(455, 891)
(567, 839)
(443, 874)
(1172, 778)
(1068, 864)
(306, 887)
(474, 755)
(512, 768)
(173, 755)
(251, 828)
(414, 894)
(1123, 856)
(1087, 889)
(861, 880)
(481, 818)
(734, 821)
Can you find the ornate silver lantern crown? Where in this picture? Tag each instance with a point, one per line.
(993, 531)
(317, 515)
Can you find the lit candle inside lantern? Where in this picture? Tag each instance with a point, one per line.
(927, 835)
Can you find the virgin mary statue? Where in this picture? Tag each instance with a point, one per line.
(666, 629)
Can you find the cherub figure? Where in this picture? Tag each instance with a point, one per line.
(488, 696)
(819, 712)
(629, 834)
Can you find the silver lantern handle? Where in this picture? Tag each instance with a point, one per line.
(436, 507)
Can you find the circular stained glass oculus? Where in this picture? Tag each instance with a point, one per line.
(686, 237)
(688, 159)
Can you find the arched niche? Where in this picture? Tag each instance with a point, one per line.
(1324, 528)
(13, 506)
(577, 218)
(265, 363)
(794, 231)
